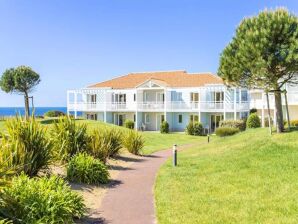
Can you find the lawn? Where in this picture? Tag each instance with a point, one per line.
(154, 141)
(247, 178)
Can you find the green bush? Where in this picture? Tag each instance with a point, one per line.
(240, 124)
(253, 121)
(105, 143)
(164, 127)
(133, 142)
(69, 138)
(54, 113)
(129, 124)
(253, 110)
(44, 200)
(226, 131)
(83, 168)
(294, 123)
(189, 128)
(198, 129)
(25, 146)
(194, 128)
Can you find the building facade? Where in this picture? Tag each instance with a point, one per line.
(152, 97)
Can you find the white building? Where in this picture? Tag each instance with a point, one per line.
(258, 100)
(149, 98)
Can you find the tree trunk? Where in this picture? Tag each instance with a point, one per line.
(26, 106)
(278, 109)
(287, 108)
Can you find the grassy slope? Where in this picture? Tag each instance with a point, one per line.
(247, 178)
(153, 141)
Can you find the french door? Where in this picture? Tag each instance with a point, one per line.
(214, 121)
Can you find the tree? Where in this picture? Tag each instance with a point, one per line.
(263, 54)
(21, 80)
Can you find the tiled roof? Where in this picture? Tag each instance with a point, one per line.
(171, 78)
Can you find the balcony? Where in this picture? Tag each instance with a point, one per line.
(153, 106)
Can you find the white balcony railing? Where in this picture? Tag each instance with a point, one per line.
(159, 106)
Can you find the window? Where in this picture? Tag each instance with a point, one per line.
(134, 118)
(219, 96)
(147, 119)
(194, 97)
(134, 97)
(244, 95)
(180, 118)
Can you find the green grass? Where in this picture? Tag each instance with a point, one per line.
(247, 178)
(154, 141)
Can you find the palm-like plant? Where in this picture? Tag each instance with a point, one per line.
(25, 146)
(69, 138)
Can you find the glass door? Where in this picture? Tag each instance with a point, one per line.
(214, 121)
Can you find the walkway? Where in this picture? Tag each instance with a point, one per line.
(131, 200)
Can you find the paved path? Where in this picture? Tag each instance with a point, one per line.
(131, 200)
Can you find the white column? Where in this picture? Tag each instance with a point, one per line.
(235, 101)
(75, 103)
(136, 102)
(263, 111)
(199, 107)
(105, 107)
(165, 106)
(224, 104)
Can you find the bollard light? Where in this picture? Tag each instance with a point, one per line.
(174, 155)
(208, 138)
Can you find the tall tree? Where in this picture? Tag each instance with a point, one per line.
(20, 80)
(263, 54)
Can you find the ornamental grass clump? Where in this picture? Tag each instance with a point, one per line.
(240, 124)
(83, 168)
(69, 138)
(105, 143)
(25, 146)
(42, 200)
(133, 142)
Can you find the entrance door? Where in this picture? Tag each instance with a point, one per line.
(159, 119)
(214, 121)
(121, 118)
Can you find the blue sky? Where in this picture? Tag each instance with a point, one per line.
(74, 43)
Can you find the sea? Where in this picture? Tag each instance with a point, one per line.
(38, 111)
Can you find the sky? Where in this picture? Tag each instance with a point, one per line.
(72, 44)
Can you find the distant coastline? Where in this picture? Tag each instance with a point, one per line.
(39, 111)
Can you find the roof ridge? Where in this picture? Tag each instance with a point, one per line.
(164, 71)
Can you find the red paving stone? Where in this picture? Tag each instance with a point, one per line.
(131, 200)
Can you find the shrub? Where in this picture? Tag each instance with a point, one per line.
(253, 121)
(240, 124)
(164, 127)
(129, 124)
(253, 110)
(189, 128)
(105, 143)
(226, 131)
(194, 128)
(25, 146)
(83, 168)
(69, 138)
(54, 113)
(294, 123)
(44, 200)
(133, 142)
(198, 129)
